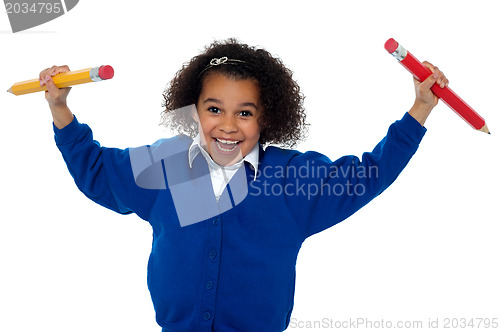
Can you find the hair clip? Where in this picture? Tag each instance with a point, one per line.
(218, 61)
(221, 61)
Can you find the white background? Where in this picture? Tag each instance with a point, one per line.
(426, 248)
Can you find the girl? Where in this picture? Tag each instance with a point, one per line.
(229, 216)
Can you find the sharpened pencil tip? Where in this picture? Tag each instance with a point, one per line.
(10, 90)
(485, 129)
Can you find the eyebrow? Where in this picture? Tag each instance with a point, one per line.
(217, 101)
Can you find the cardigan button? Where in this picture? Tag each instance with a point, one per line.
(212, 254)
(210, 284)
(206, 316)
(216, 220)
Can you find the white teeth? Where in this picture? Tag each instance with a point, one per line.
(226, 150)
(226, 142)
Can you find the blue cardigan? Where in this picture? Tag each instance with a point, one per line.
(232, 270)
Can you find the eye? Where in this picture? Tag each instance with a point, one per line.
(246, 113)
(214, 109)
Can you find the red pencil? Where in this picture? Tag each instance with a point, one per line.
(447, 95)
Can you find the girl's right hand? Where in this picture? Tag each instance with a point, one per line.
(55, 97)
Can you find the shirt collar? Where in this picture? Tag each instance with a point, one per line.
(252, 157)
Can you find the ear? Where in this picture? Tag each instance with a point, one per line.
(194, 113)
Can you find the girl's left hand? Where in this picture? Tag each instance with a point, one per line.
(424, 96)
(425, 99)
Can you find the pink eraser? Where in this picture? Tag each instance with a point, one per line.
(391, 45)
(106, 72)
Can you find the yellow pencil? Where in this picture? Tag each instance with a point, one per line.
(66, 79)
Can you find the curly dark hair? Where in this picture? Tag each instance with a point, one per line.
(283, 118)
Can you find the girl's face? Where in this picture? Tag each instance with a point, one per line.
(228, 112)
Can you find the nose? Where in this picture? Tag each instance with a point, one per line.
(228, 124)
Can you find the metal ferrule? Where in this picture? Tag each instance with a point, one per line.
(94, 74)
(400, 53)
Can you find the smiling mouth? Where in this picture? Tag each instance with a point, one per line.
(226, 145)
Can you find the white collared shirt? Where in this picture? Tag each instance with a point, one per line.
(221, 175)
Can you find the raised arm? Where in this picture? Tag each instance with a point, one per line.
(103, 174)
(345, 185)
